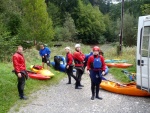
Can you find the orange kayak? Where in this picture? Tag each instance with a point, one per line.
(119, 65)
(125, 89)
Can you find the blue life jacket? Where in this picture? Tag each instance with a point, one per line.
(97, 64)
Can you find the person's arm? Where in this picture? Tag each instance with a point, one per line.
(16, 64)
(70, 59)
(40, 52)
(89, 63)
(78, 56)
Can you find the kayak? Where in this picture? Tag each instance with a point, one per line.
(62, 67)
(42, 71)
(115, 61)
(119, 65)
(38, 76)
(125, 89)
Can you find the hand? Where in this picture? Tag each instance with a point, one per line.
(88, 72)
(67, 66)
(42, 56)
(19, 75)
(103, 73)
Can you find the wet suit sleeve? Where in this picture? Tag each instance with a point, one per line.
(16, 64)
(70, 59)
(89, 63)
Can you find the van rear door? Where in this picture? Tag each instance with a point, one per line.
(143, 54)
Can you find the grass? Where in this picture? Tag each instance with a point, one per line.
(8, 80)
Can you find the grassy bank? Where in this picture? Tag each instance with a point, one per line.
(8, 80)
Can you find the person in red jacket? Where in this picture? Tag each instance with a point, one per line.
(20, 70)
(79, 65)
(96, 68)
(69, 65)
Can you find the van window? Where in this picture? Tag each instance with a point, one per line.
(146, 41)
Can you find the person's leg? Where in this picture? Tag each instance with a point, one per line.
(21, 84)
(69, 77)
(77, 76)
(92, 90)
(97, 92)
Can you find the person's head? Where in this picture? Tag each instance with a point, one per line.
(67, 49)
(42, 46)
(96, 50)
(20, 49)
(77, 47)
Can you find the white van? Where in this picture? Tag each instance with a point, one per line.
(143, 54)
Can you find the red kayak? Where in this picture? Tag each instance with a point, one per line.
(38, 76)
(119, 65)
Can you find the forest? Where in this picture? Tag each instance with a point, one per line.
(30, 22)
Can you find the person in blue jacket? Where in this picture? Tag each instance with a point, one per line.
(45, 54)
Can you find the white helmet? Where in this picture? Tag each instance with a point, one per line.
(77, 45)
(68, 48)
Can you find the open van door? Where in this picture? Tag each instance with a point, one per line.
(143, 54)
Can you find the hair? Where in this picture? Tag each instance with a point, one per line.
(19, 47)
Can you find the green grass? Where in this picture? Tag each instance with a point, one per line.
(8, 80)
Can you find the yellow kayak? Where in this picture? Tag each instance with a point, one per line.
(42, 71)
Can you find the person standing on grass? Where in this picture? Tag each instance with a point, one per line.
(96, 68)
(79, 64)
(45, 54)
(20, 71)
(69, 65)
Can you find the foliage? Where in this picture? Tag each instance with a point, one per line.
(89, 22)
(145, 9)
(55, 14)
(37, 26)
(68, 31)
(129, 29)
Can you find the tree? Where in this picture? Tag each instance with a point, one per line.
(37, 26)
(145, 9)
(89, 23)
(68, 31)
(129, 30)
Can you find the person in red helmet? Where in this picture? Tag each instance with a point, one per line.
(79, 65)
(96, 68)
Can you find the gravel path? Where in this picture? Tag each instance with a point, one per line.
(63, 98)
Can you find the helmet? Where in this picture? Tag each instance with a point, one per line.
(77, 45)
(96, 48)
(68, 48)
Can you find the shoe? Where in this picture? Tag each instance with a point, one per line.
(92, 98)
(24, 98)
(99, 97)
(78, 88)
(81, 85)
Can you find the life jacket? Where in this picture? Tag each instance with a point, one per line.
(97, 64)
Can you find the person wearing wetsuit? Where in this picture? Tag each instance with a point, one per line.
(96, 68)
(79, 65)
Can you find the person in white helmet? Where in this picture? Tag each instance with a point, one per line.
(79, 65)
(69, 65)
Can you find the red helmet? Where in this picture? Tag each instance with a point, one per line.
(96, 48)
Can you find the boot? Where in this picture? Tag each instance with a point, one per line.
(77, 85)
(92, 98)
(97, 94)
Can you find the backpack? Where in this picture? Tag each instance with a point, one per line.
(97, 63)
